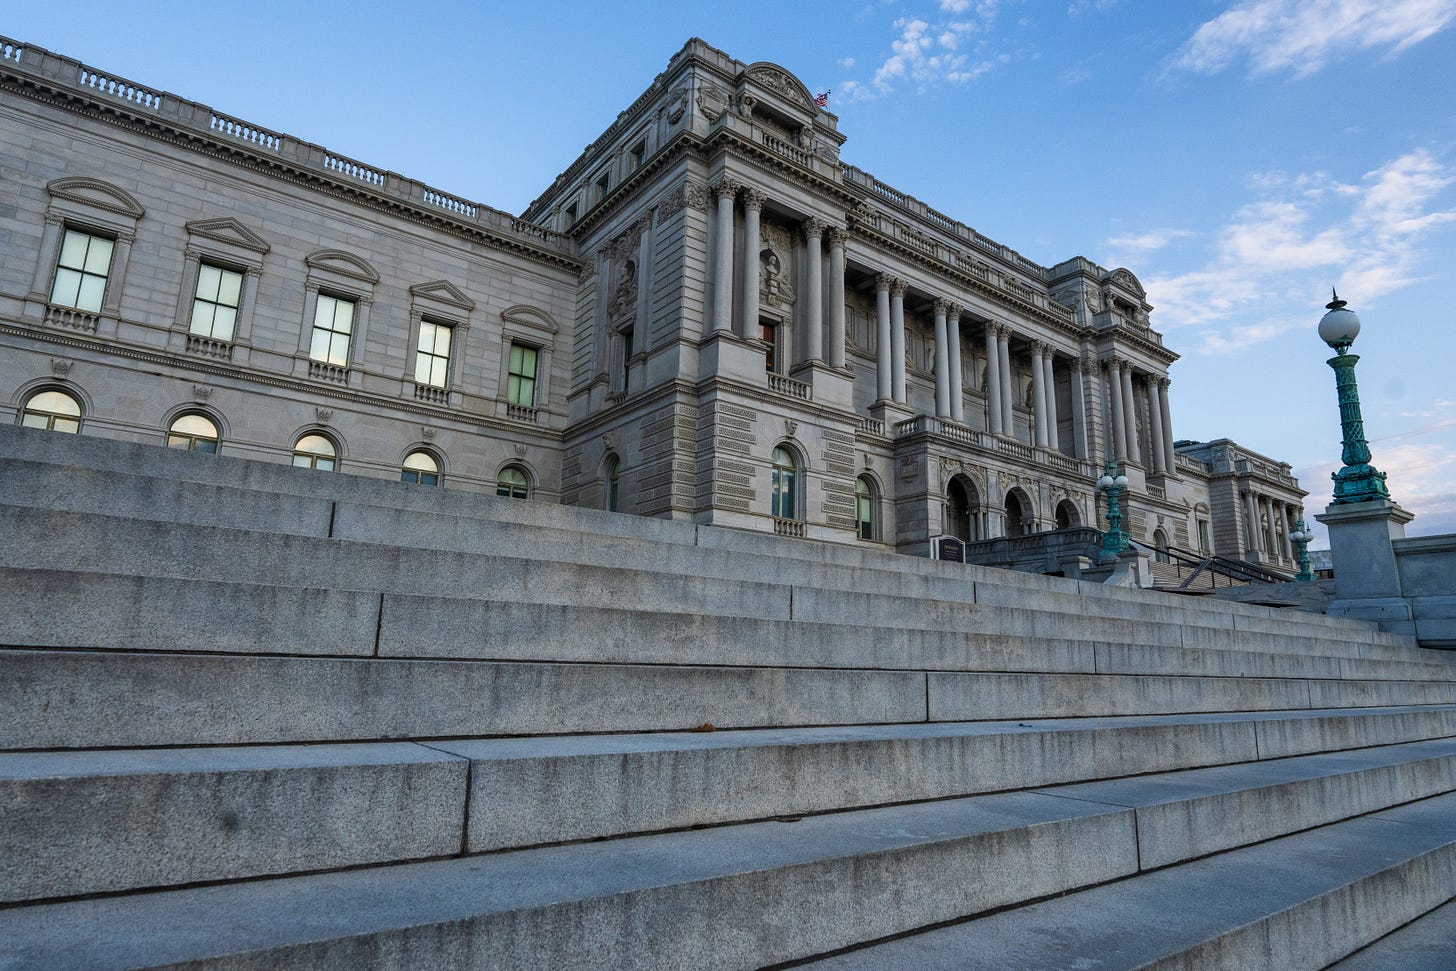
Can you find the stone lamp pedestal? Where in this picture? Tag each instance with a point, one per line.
(1367, 584)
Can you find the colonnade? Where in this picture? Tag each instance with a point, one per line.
(1268, 521)
(1126, 399)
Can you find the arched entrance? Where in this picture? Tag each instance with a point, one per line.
(960, 508)
(1067, 515)
(1019, 521)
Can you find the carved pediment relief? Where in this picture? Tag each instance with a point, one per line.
(343, 263)
(94, 192)
(1124, 278)
(525, 315)
(781, 82)
(228, 230)
(443, 291)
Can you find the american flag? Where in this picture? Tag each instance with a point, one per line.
(822, 100)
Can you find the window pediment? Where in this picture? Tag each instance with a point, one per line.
(779, 81)
(443, 292)
(533, 317)
(340, 262)
(228, 230)
(97, 194)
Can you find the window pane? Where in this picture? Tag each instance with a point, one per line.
(98, 255)
(438, 367)
(325, 465)
(422, 368)
(314, 445)
(442, 341)
(73, 249)
(68, 425)
(195, 425)
(92, 288)
(339, 350)
(57, 402)
(68, 284)
(222, 323)
(343, 316)
(30, 420)
(230, 287)
(208, 280)
(421, 462)
(202, 313)
(319, 349)
(208, 445)
(323, 313)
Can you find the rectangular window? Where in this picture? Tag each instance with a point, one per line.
(333, 323)
(604, 182)
(1203, 539)
(81, 271)
(638, 154)
(571, 215)
(215, 308)
(769, 334)
(432, 357)
(521, 382)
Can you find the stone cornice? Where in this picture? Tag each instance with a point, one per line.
(203, 130)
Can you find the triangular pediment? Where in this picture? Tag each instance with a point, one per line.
(528, 316)
(228, 230)
(347, 264)
(94, 192)
(443, 291)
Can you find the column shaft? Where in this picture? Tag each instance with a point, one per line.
(1053, 439)
(897, 340)
(957, 385)
(1079, 411)
(994, 423)
(748, 319)
(1129, 414)
(814, 235)
(1117, 439)
(1168, 449)
(1038, 395)
(1008, 415)
(1160, 462)
(942, 365)
(836, 298)
(723, 260)
(883, 355)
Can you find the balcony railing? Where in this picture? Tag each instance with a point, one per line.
(790, 387)
(57, 316)
(209, 347)
(790, 527)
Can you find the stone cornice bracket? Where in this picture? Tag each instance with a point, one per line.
(813, 227)
(898, 287)
(883, 281)
(752, 200)
(726, 186)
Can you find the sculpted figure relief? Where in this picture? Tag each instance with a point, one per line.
(773, 284)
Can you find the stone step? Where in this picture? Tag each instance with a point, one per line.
(145, 613)
(1427, 943)
(160, 817)
(128, 462)
(75, 699)
(39, 539)
(1301, 901)
(750, 894)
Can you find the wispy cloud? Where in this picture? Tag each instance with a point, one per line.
(951, 46)
(1307, 231)
(1127, 248)
(1302, 36)
(1079, 7)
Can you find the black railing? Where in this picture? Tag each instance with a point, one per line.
(1200, 564)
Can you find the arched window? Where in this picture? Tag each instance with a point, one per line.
(315, 452)
(864, 508)
(612, 467)
(1067, 515)
(513, 483)
(785, 484)
(195, 433)
(421, 468)
(53, 410)
(1160, 546)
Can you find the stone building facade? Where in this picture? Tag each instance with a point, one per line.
(708, 316)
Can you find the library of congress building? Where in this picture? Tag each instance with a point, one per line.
(709, 316)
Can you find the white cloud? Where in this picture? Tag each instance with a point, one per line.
(1310, 231)
(930, 51)
(846, 62)
(1079, 7)
(1140, 244)
(1301, 36)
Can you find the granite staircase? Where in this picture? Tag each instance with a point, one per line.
(258, 717)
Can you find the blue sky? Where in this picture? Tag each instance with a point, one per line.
(1241, 156)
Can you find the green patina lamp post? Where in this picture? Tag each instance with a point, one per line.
(1114, 541)
(1301, 537)
(1358, 481)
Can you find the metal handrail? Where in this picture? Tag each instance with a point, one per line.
(1218, 565)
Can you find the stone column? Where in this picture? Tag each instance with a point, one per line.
(1251, 522)
(994, 424)
(1129, 414)
(942, 364)
(814, 236)
(1285, 552)
(723, 259)
(1053, 439)
(897, 340)
(1038, 394)
(1003, 347)
(1271, 529)
(836, 297)
(957, 384)
(752, 207)
(1117, 440)
(884, 386)
(1079, 410)
(1155, 413)
(1168, 449)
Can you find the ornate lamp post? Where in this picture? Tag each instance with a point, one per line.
(1301, 537)
(1358, 481)
(1114, 541)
